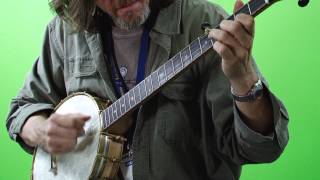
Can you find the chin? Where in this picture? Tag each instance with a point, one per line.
(132, 21)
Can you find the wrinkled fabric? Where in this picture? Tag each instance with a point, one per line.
(191, 129)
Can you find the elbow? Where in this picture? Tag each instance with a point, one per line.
(267, 152)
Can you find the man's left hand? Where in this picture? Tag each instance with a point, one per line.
(234, 42)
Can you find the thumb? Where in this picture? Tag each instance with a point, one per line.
(237, 5)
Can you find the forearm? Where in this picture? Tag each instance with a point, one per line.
(258, 114)
(33, 132)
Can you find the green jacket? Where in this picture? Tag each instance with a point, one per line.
(189, 130)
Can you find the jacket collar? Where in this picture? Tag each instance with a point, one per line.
(169, 19)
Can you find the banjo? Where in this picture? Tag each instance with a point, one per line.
(98, 153)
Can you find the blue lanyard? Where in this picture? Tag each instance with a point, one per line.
(120, 86)
(143, 55)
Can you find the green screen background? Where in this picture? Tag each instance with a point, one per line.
(286, 49)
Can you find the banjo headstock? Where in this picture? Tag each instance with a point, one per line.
(301, 3)
(257, 6)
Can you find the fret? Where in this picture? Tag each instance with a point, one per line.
(134, 97)
(165, 72)
(205, 44)
(105, 119)
(250, 12)
(185, 55)
(161, 75)
(190, 53)
(111, 114)
(211, 40)
(195, 49)
(122, 105)
(127, 97)
(152, 88)
(244, 9)
(200, 45)
(148, 85)
(174, 71)
(251, 8)
(143, 89)
(126, 102)
(114, 111)
(155, 79)
(157, 73)
(180, 58)
(119, 107)
(169, 69)
(256, 5)
(136, 94)
(177, 64)
(111, 118)
(141, 98)
(131, 97)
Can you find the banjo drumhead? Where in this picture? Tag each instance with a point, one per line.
(77, 164)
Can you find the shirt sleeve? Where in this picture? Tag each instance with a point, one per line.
(229, 135)
(232, 136)
(42, 90)
(256, 147)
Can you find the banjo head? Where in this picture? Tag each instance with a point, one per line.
(81, 162)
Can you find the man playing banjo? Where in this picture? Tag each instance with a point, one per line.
(204, 124)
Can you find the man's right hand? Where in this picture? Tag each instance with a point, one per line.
(56, 134)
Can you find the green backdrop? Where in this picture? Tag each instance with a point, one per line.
(286, 49)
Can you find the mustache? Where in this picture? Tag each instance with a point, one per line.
(123, 3)
(134, 23)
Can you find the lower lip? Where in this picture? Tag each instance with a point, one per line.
(134, 7)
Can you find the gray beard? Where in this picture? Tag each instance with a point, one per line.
(135, 23)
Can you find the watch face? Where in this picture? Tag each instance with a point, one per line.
(257, 90)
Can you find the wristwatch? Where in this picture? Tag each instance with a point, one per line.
(254, 93)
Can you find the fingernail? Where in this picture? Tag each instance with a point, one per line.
(85, 116)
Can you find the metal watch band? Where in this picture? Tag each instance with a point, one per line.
(255, 92)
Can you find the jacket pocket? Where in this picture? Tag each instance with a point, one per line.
(177, 112)
(82, 66)
(84, 76)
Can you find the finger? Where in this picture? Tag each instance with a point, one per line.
(237, 5)
(70, 120)
(227, 39)
(247, 22)
(55, 130)
(60, 145)
(237, 30)
(223, 50)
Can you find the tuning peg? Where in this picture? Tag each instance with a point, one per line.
(303, 3)
(205, 26)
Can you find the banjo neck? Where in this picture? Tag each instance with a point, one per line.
(171, 69)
